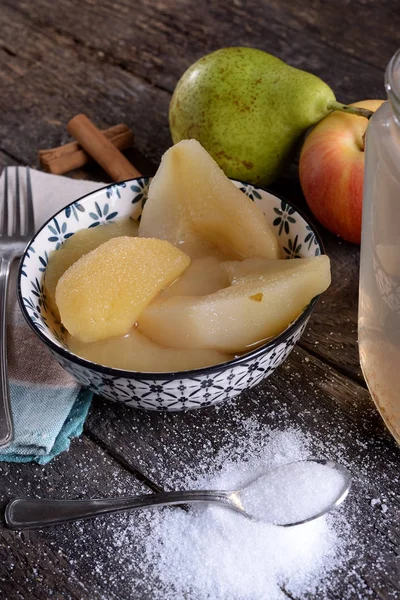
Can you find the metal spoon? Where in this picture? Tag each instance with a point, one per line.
(30, 513)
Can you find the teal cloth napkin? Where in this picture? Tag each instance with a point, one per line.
(49, 408)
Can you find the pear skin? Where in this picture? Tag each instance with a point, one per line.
(248, 109)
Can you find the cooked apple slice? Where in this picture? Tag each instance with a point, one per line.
(135, 352)
(76, 246)
(203, 276)
(257, 307)
(191, 196)
(103, 293)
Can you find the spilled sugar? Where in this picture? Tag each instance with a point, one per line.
(212, 554)
(209, 552)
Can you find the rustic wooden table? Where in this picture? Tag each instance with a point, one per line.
(118, 62)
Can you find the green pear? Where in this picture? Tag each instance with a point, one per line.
(248, 109)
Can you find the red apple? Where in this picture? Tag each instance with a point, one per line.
(332, 171)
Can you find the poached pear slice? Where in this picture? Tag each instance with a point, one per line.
(102, 294)
(135, 352)
(203, 276)
(76, 246)
(237, 270)
(257, 307)
(190, 198)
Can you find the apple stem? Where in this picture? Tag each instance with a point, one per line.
(363, 141)
(352, 110)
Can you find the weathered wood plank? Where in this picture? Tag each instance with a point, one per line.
(341, 300)
(45, 80)
(57, 87)
(58, 562)
(54, 57)
(150, 38)
(302, 383)
(332, 331)
(303, 393)
(345, 26)
(119, 62)
(7, 159)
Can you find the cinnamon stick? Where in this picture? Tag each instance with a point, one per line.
(101, 149)
(71, 156)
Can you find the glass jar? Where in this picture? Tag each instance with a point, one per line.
(379, 301)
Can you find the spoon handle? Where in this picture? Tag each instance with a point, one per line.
(31, 513)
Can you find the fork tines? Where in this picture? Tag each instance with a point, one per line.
(16, 216)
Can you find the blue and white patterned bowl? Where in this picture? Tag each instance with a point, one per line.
(158, 391)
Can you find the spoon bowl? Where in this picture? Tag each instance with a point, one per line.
(265, 498)
(321, 485)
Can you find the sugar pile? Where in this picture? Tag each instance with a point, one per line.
(294, 492)
(209, 552)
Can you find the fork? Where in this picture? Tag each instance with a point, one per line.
(16, 229)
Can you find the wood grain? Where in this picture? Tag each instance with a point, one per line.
(64, 73)
(332, 331)
(58, 562)
(154, 43)
(48, 80)
(118, 62)
(303, 393)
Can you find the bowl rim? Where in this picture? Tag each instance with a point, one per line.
(162, 375)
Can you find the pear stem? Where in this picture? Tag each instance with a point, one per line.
(352, 110)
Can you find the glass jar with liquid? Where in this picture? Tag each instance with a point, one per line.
(379, 302)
